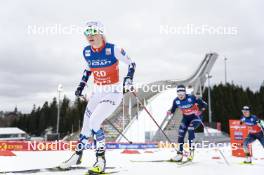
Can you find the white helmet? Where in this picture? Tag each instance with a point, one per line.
(246, 108)
(94, 27)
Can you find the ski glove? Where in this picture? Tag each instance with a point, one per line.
(260, 123)
(127, 84)
(169, 113)
(79, 89)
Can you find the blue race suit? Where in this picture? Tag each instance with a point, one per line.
(191, 108)
(255, 131)
(103, 64)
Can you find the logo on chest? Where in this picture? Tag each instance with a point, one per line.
(99, 62)
(108, 51)
(186, 106)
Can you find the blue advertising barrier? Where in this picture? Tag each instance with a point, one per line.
(126, 146)
(131, 146)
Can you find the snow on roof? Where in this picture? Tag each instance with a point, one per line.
(212, 130)
(11, 130)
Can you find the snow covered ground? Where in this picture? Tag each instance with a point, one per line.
(206, 162)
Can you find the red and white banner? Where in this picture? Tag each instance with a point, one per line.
(37, 146)
(238, 133)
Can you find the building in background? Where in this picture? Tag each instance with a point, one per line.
(12, 133)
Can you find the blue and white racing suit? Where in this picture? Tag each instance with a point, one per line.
(191, 108)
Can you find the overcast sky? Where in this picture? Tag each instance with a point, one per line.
(33, 64)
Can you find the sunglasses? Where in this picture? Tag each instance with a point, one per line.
(91, 32)
(181, 93)
(245, 111)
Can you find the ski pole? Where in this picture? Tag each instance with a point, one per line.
(144, 107)
(221, 153)
(130, 142)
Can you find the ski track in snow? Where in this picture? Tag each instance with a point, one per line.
(204, 164)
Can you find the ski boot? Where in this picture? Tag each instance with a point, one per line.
(76, 158)
(190, 155)
(99, 166)
(248, 159)
(178, 157)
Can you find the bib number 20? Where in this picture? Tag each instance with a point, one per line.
(99, 73)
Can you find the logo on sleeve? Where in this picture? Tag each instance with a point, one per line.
(189, 100)
(178, 102)
(87, 53)
(123, 52)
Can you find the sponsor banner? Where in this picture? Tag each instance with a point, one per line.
(131, 146)
(62, 145)
(36, 146)
(238, 133)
